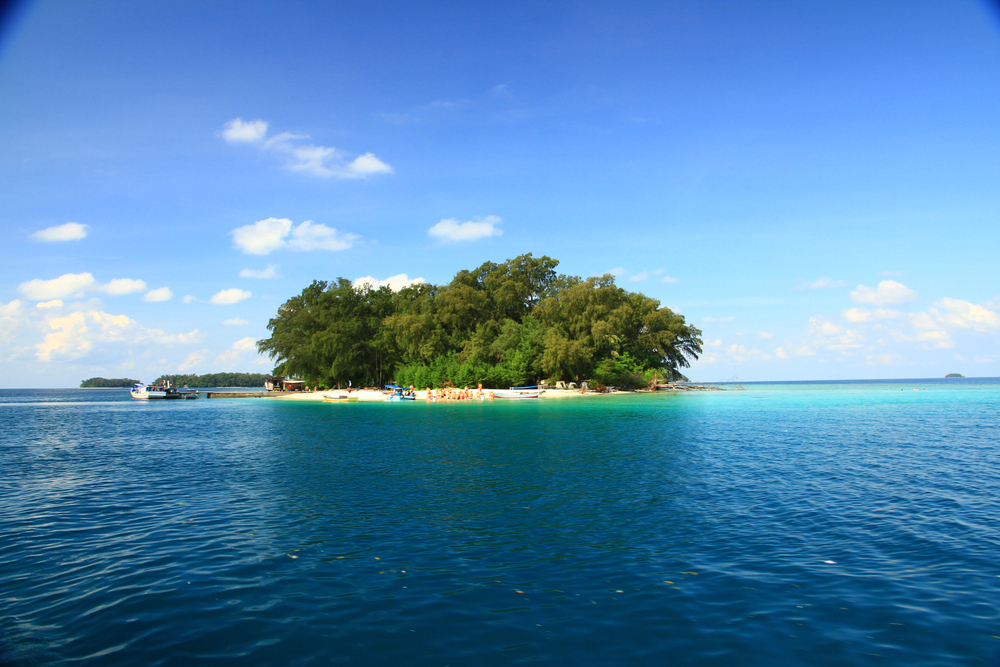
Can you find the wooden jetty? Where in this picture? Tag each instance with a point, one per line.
(235, 394)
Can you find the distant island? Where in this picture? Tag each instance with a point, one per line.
(215, 380)
(105, 383)
(510, 324)
(954, 375)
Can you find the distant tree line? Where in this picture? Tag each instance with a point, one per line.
(216, 380)
(115, 383)
(502, 325)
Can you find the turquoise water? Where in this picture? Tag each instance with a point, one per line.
(691, 529)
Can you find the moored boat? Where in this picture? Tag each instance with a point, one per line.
(396, 394)
(145, 392)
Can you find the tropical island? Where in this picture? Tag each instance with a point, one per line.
(215, 380)
(106, 383)
(954, 375)
(510, 324)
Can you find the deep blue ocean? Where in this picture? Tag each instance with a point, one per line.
(784, 524)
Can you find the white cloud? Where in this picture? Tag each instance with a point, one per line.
(229, 296)
(831, 336)
(741, 353)
(960, 314)
(55, 303)
(312, 236)
(618, 271)
(860, 315)
(120, 286)
(188, 298)
(71, 231)
(368, 164)
(450, 229)
(643, 275)
(239, 131)
(158, 294)
(395, 283)
(780, 353)
(888, 293)
(892, 273)
(69, 284)
(266, 236)
(766, 335)
(323, 161)
(824, 283)
(270, 272)
(235, 322)
(193, 360)
(247, 344)
(263, 236)
(669, 279)
(718, 319)
(11, 308)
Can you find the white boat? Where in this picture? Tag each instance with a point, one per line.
(335, 398)
(145, 392)
(517, 393)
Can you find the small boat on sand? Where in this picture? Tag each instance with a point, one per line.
(517, 392)
(335, 398)
(396, 394)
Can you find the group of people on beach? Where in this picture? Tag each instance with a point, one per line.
(456, 394)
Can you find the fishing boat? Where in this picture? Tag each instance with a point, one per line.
(335, 398)
(145, 392)
(518, 392)
(396, 394)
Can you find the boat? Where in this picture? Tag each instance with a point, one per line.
(517, 392)
(145, 392)
(396, 394)
(335, 398)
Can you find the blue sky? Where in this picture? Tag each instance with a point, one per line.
(814, 185)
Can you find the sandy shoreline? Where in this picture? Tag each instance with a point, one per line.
(377, 396)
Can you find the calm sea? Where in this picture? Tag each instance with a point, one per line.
(786, 524)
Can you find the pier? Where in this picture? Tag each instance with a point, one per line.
(235, 394)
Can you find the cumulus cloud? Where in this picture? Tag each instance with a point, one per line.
(960, 314)
(860, 315)
(192, 361)
(71, 231)
(158, 294)
(239, 131)
(75, 334)
(669, 279)
(450, 229)
(270, 272)
(618, 272)
(766, 335)
(831, 336)
(395, 283)
(643, 275)
(55, 303)
(11, 308)
(189, 298)
(780, 353)
(302, 157)
(236, 322)
(68, 284)
(888, 293)
(312, 236)
(229, 296)
(123, 286)
(247, 344)
(265, 236)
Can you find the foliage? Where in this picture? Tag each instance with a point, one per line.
(115, 383)
(215, 380)
(500, 325)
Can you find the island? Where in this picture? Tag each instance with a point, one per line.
(508, 324)
(215, 380)
(105, 383)
(954, 375)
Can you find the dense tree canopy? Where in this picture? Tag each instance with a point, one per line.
(116, 383)
(215, 380)
(500, 324)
